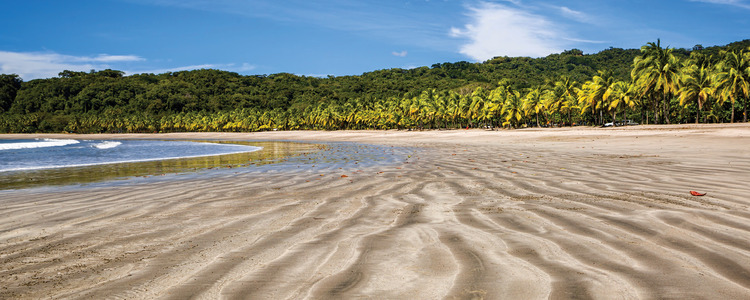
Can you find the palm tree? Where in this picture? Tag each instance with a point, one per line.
(513, 108)
(564, 97)
(696, 83)
(656, 73)
(453, 107)
(478, 103)
(534, 102)
(592, 93)
(497, 97)
(733, 78)
(417, 109)
(463, 108)
(618, 95)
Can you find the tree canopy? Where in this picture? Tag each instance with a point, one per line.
(653, 84)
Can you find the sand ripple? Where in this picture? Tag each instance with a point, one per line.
(482, 221)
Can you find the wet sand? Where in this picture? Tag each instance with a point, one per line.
(522, 214)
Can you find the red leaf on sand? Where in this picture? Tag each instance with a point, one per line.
(344, 176)
(694, 193)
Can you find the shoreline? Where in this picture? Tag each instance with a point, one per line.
(532, 213)
(725, 129)
(263, 153)
(124, 162)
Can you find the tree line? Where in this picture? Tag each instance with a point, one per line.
(653, 85)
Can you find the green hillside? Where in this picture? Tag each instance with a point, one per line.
(560, 89)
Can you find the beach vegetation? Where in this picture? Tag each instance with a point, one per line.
(651, 85)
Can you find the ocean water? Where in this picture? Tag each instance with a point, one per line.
(40, 154)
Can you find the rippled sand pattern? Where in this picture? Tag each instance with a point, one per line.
(511, 219)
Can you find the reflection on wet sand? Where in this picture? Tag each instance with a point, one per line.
(272, 152)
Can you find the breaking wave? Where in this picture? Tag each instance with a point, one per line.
(107, 145)
(38, 143)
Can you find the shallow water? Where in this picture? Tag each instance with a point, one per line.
(320, 158)
(37, 154)
(273, 157)
(270, 152)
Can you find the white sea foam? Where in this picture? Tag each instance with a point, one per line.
(107, 145)
(43, 143)
(33, 168)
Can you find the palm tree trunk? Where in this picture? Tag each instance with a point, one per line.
(614, 118)
(698, 113)
(666, 109)
(663, 117)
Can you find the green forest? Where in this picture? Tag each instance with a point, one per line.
(651, 85)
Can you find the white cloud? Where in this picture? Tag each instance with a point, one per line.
(245, 67)
(175, 69)
(573, 14)
(497, 30)
(113, 58)
(315, 75)
(738, 3)
(407, 22)
(585, 41)
(400, 54)
(34, 65)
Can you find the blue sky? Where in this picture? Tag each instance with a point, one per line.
(40, 38)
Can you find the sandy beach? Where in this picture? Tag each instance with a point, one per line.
(558, 213)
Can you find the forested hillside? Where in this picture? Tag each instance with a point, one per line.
(653, 84)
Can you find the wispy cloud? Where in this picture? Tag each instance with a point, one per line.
(574, 15)
(585, 41)
(400, 54)
(176, 69)
(337, 14)
(737, 3)
(112, 58)
(403, 22)
(570, 13)
(496, 30)
(245, 67)
(33, 65)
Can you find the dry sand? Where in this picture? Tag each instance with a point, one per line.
(523, 214)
